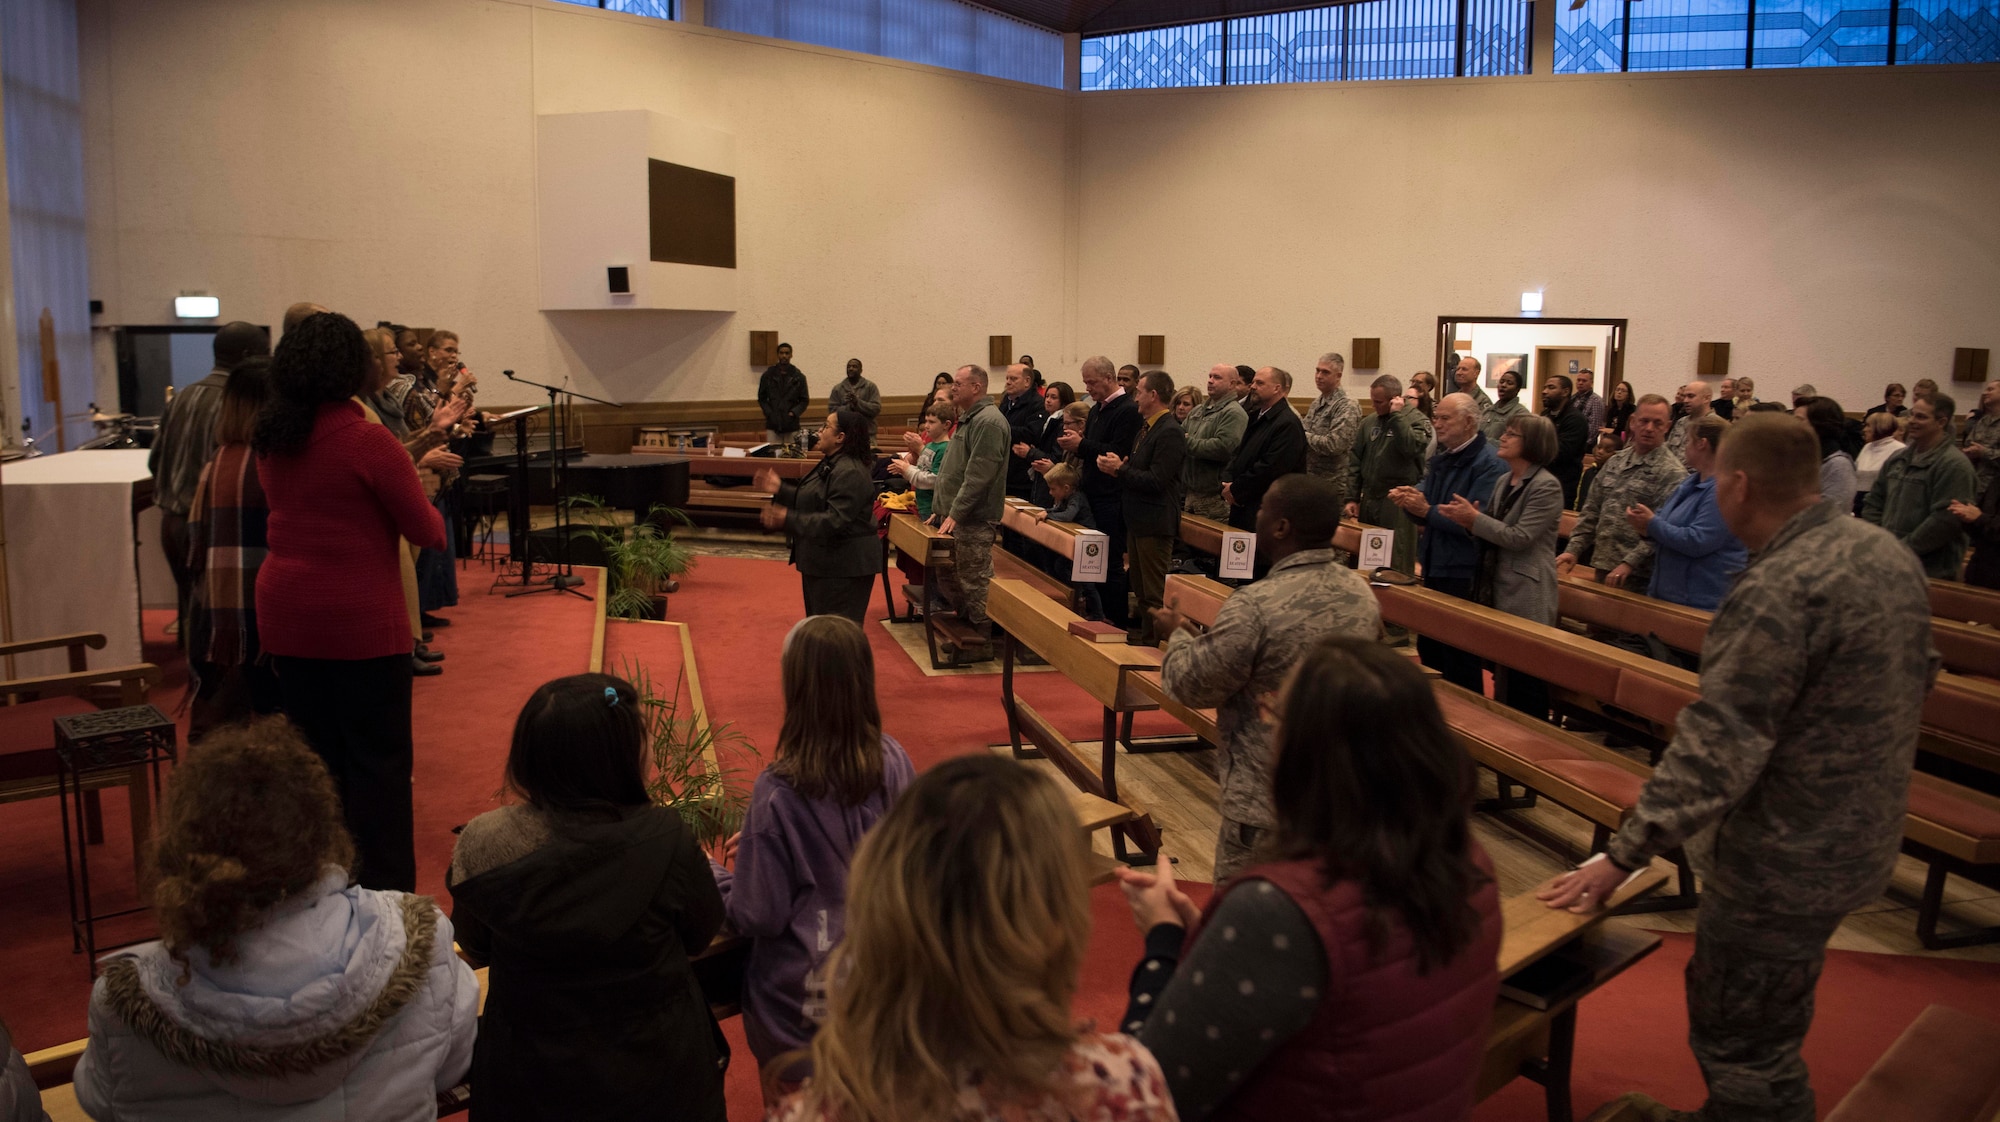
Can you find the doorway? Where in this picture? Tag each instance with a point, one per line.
(1567, 361)
(1536, 346)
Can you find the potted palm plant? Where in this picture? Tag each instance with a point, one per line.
(642, 561)
(689, 774)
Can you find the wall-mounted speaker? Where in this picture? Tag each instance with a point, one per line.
(999, 350)
(1367, 354)
(1712, 360)
(763, 348)
(1968, 364)
(1152, 350)
(619, 279)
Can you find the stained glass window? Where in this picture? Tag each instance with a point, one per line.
(1733, 34)
(1690, 35)
(1188, 55)
(1821, 33)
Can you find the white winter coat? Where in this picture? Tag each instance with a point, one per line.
(346, 1004)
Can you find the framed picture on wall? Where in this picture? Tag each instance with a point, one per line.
(1498, 364)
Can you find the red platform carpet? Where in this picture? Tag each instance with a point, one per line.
(1631, 1035)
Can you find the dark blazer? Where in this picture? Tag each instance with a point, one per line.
(1273, 445)
(1150, 481)
(1024, 415)
(832, 521)
(1573, 441)
(1112, 426)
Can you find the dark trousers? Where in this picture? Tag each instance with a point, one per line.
(1524, 692)
(174, 543)
(230, 694)
(356, 714)
(1149, 576)
(437, 569)
(1456, 666)
(838, 596)
(1110, 512)
(1750, 1001)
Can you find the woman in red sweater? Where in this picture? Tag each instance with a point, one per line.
(330, 606)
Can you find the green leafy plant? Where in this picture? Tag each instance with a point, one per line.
(682, 745)
(641, 560)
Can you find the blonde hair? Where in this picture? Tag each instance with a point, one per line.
(1075, 413)
(968, 913)
(1062, 475)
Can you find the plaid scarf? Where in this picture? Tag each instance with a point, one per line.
(226, 545)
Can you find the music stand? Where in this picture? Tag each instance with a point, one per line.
(564, 579)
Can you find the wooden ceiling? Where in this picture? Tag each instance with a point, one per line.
(1096, 17)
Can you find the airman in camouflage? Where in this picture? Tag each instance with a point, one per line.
(1787, 778)
(1643, 474)
(1240, 663)
(1981, 441)
(1330, 425)
(1214, 429)
(1388, 453)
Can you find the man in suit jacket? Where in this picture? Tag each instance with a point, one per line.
(1574, 436)
(1149, 483)
(1113, 426)
(1021, 405)
(1274, 445)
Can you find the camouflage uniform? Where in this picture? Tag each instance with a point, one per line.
(1497, 416)
(1389, 452)
(1626, 479)
(1478, 395)
(1330, 427)
(1912, 499)
(1240, 663)
(1984, 430)
(972, 490)
(1214, 430)
(1677, 437)
(1786, 781)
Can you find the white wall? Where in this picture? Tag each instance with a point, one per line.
(377, 156)
(1832, 226)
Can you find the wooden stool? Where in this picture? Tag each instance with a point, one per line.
(87, 746)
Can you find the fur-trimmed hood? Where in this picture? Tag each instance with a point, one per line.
(299, 1008)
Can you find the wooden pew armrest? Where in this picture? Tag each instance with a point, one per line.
(135, 680)
(76, 641)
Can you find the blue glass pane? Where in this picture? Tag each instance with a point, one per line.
(1690, 35)
(1822, 33)
(658, 9)
(1589, 40)
(1948, 31)
(1190, 55)
(1496, 38)
(1402, 39)
(934, 32)
(1287, 47)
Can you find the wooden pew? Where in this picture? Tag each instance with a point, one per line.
(1029, 619)
(1966, 603)
(1204, 535)
(1950, 827)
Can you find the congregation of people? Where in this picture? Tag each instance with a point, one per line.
(917, 940)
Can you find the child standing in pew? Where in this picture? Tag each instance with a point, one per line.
(588, 900)
(1067, 504)
(835, 775)
(919, 467)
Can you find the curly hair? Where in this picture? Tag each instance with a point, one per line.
(250, 821)
(321, 361)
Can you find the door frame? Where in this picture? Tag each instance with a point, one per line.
(1614, 361)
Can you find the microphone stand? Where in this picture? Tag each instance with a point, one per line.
(564, 579)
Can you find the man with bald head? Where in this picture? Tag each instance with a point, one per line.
(1274, 445)
(299, 313)
(1465, 466)
(1112, 426)
(1214, 429)
(1259, 633)
(1787, 778)
(1694, 399)
(971, 495)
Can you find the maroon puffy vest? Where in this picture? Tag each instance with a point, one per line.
(1387, 1044)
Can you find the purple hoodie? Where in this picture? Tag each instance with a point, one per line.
(788, 895)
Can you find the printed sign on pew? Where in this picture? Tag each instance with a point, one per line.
(1239, 556)
(1092, 559)
(1377, 548)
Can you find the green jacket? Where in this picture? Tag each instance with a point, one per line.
(1912, 499)
(1214, 430)
(972, 483)
(1388, 452)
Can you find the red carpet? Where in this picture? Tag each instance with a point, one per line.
(1632, 1035)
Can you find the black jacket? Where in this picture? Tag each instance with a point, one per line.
(1150, 481)
(1573, 441)
(1274, 444)
(782, 395)
(1113, 426)
(1024, 415)
(593, 1010)
(832, 520)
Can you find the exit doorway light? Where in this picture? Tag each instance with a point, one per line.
(197, 307)
(1531, 302)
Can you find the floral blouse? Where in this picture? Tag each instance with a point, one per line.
(1105, 1077)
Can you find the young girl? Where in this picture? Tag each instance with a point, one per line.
(1073, 417)
(835, 775)
(920, 470)
(951, 996)
(1067, 504)
(588, 900)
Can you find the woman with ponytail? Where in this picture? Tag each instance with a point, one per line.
(276, 990)
(330, 608)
